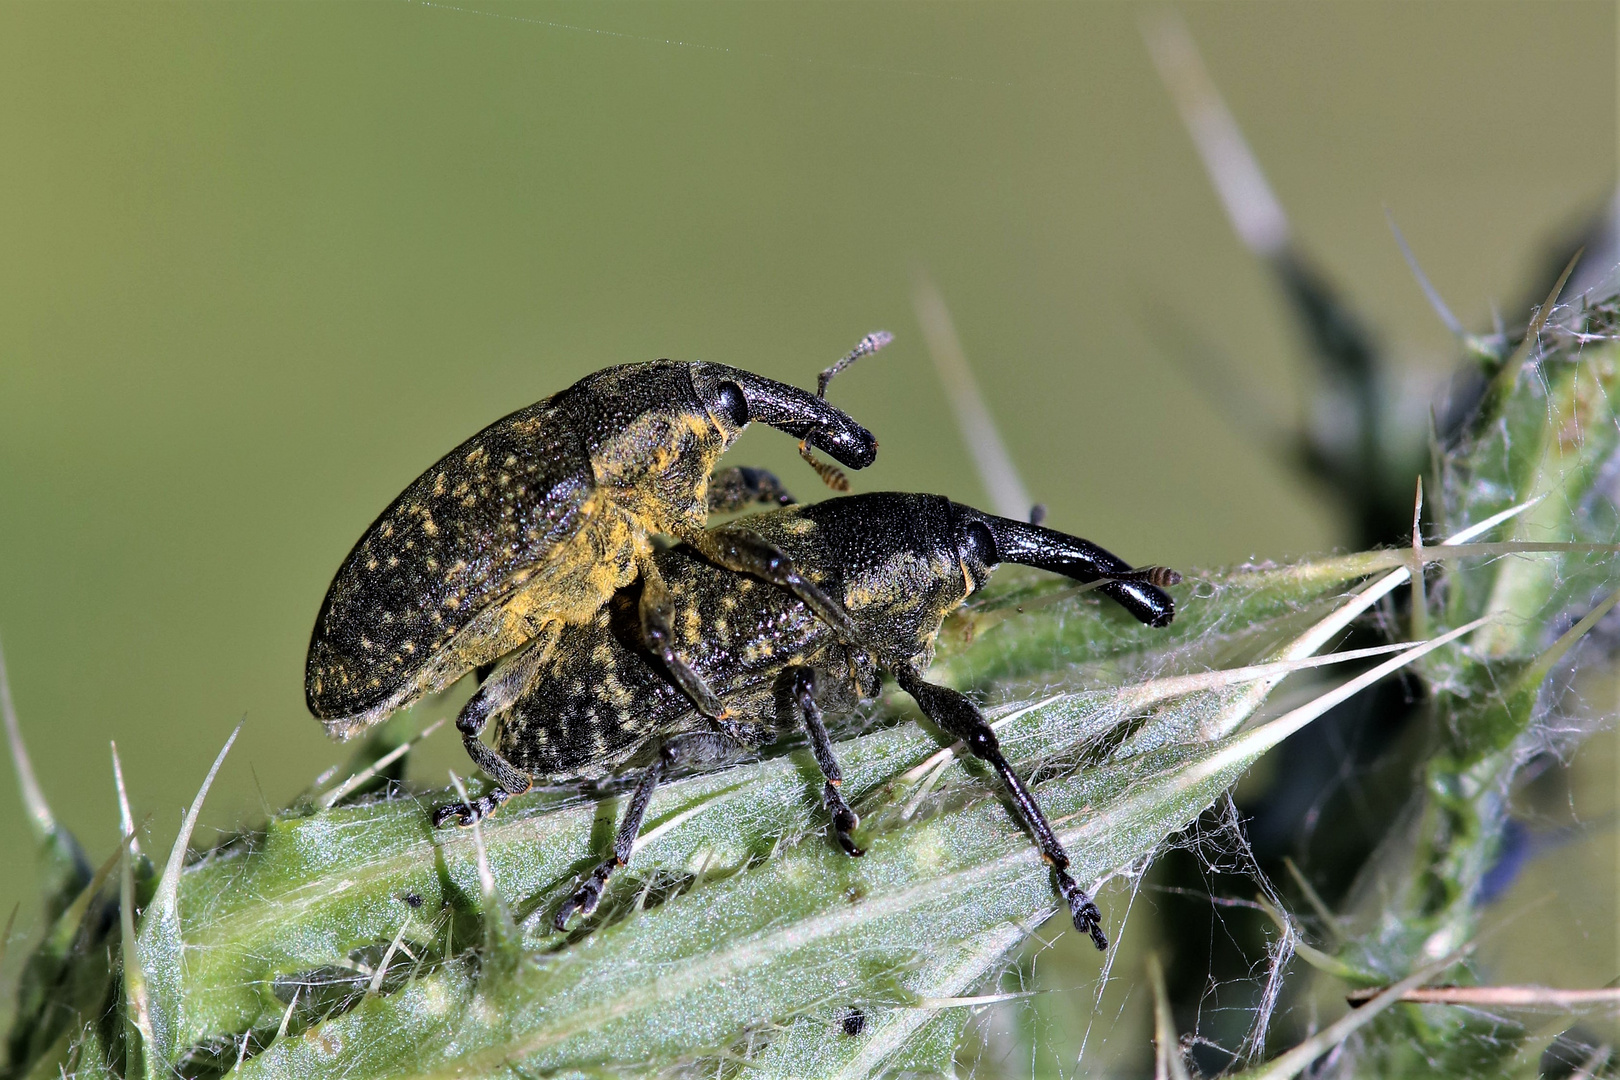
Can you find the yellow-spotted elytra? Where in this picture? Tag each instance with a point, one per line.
(532, 524)
(898, 563)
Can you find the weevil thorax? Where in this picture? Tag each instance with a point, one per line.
(892, 558)
(653, 438)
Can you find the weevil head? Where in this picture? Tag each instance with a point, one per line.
(985, 540)
(736, 398)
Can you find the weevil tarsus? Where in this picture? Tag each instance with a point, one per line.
(955, 714)
(741, 487)
(796, 690)
(472, 811)
(509, 782)
(676, 752)
(589, 892)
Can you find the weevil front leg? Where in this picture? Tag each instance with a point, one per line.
(505, 684)
(739, 488)
(677, 751)
(796, 689)
(735, 548)
(960, 717)
(658, 630)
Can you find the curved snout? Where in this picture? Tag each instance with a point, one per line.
(847, 442)
(805, 416)
(1147, 603)
(1137, 591)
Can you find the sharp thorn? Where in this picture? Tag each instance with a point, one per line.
(1449, 320)
(168, 890)
(126, 820)
(39, 811)
(996, 470)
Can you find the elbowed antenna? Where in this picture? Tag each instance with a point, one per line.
(1140, 592)
(830, 474)
(868, 345)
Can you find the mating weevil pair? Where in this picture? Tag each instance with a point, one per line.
(522, 551)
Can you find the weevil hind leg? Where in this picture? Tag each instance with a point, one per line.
(738, 488)
(796, 693)
(473, 810)
(508, 681)
(679, 750)
(957, 715)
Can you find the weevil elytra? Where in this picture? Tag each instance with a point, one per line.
(534, 522)
(900, 563)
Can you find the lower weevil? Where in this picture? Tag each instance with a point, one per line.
(900, 563)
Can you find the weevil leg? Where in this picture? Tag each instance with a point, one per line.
(797, 685)
(658, 629)
(505, 684)
(740, 550)
(739, 488)
(511, 780)
(510, 679)
(676, 751)
(955, 714)
(472, 810)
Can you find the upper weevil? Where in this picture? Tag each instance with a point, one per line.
(535, 521)
(899, 562)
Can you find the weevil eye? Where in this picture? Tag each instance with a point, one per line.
(729, 401)
(979, 546)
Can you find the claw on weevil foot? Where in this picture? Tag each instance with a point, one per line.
(460, 813)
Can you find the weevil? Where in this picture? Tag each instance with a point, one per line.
(899, 563)
(533, 524)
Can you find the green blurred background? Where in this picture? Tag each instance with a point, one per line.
(263, 264)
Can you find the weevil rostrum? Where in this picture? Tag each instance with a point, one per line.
(899, 563)
(533, 524)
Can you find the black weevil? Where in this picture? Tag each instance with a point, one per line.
(534, 522)
(899, 562)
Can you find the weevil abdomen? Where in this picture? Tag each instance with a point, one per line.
(467, 532)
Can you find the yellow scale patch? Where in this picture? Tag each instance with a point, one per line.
(900, 583)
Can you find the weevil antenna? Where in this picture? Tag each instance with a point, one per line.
(868, 345)
(830, 474)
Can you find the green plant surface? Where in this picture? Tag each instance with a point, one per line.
(739, 934)
(346, 935)
(1546, 433)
